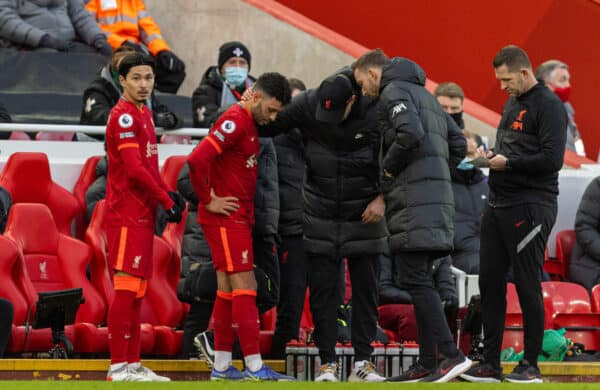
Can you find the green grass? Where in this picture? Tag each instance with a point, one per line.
(68, 385)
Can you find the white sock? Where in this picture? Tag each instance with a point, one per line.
(117, 366)
(222, 360)
(358, 365)
(253, 362)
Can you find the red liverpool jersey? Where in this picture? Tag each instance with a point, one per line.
(226, 161)
(133, 186)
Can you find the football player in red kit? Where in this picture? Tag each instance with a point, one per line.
(223, 169)
(134, 190)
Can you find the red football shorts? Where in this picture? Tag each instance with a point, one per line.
(130, 250)
(230, 248)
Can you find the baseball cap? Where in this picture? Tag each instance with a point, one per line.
(333, 94)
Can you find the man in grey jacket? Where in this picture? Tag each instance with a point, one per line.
(62, 25)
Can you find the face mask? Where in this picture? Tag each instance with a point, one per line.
(563, 93)
(465, 166)
(235, 76)
(457, 116)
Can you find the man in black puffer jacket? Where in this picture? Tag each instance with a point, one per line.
(419, 143)
(343, 210)
(199, 282)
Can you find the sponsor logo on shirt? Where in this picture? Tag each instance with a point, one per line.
(125, 121)
(251, 162)
(220, 136)
(151, 149)
(127, 134)
(228, 126)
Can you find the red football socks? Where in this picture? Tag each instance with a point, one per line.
(119, 323)
(134, 346)
(245, 320)
(224, 334)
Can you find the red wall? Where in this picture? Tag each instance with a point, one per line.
(456, 40)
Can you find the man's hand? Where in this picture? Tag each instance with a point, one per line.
(248, 94)
(222, 205)
(498, 162)
(374, 211)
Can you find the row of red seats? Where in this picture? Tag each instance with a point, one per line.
(42, 256)
(558, 267)
(566, 305)
(68, 136)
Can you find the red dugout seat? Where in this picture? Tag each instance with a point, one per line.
(27, 177)
(55, 261)
(86, 178)
(170, 170)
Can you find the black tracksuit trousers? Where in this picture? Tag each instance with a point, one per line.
(513, 236)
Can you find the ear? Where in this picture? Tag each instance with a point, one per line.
(121, 79)
(256, 96)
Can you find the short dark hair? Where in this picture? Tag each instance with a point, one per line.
(513, 57)
(135, 59)
(371, 59)
(275, 85)
(296, 84)
(450, 89)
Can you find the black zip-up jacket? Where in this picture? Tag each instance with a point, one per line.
(341, 176)
(290, 167)
(420, 141)
(532, 136)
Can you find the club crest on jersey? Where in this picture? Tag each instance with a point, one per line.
(151, 149)
(228, 126)
(125, 121)
(251, 162)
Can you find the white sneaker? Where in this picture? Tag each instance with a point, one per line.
(145, 372)
(327, 373)
(365, 373)
(124, 375)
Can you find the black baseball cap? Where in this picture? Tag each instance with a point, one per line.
(333, 94)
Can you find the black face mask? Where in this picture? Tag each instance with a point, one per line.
(457, 116)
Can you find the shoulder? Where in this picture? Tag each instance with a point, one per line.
(232, 120)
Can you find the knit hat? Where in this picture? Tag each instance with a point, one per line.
(233, 49)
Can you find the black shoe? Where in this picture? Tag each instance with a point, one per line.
(483, 373)
(449, 369)
(204, 342)
(415, 373)
(525, 373)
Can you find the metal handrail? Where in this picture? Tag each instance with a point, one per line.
(33, 127)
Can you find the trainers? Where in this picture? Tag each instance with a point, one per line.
(483, 373)
(365, 373)
(266, 373)
(525, 373)
(449, 369)
(230, 374)
(327, 373)
(204, 342)
(415, 373)
(124, 375)
(138, 369)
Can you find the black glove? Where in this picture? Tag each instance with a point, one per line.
(169, 61)
(54, 43)
(134, 46)
(166, 120)
(102, 46)
(176, 212)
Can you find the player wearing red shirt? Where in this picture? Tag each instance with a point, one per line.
(134, 190)
(223, 169)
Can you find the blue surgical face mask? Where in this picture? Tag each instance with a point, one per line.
(464, 165)
(235, 76)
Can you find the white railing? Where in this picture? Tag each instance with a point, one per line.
(33, 127)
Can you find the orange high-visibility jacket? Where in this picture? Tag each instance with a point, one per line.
(127, 20)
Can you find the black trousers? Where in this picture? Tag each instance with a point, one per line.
(6, 319)
(416, 271)
(517, 237)
(325, 296)
(294, 280)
